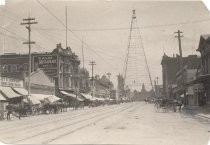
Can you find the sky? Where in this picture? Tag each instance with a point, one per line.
(104, 28)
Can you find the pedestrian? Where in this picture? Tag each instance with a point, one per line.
(9, 112)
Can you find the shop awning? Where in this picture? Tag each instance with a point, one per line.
(40, 97)
(2, 98)
(9, 92)
(52, 98)
(200, 79)
(68, 94)
(89, 97)
(100, 99)
(34, 100)
(79, 98)
(21, 91)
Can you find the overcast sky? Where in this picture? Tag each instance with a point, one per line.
(104, 27)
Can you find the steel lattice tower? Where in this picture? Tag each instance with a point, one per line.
(136, 69)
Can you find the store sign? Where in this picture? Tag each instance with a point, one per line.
(46, 62)
(11, 82)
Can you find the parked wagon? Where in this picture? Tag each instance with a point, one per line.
(165, 105)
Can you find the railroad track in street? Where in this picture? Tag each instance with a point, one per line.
(93, 119)
(84, 126)
(46, 117)
(47, 121)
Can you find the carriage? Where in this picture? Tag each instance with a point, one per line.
(167, 105)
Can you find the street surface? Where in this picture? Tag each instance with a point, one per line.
(130, 123)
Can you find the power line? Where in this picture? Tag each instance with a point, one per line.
(70, 30)
(126, 28)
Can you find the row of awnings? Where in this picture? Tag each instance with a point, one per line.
(10, 92)
(77, 97)
(38, 98)
(89, 97)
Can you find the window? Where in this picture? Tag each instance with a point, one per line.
(9, 68)
(14, 68)
(25, 67)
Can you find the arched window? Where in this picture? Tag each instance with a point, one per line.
(14, 68)
(25, 67)
(9, 68)
(5, 68)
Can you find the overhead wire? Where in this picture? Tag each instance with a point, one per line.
(61, 22)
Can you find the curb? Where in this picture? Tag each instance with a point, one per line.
(203, 116)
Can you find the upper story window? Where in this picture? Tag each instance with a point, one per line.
(14, 68)
(5, 69)
(25, 67)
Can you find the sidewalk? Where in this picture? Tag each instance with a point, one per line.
(206, 116)
(197, 112)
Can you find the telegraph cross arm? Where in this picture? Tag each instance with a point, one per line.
(29, 42)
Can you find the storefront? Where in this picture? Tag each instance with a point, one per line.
(3, 103)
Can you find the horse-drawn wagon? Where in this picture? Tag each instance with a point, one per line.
(167, 105)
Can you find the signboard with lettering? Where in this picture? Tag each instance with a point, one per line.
(11, 82)
(46, 62)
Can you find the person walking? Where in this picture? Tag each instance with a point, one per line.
(9, 112)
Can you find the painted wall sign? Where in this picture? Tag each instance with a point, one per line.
(11, 82)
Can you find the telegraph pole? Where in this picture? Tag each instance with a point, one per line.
(180, 47)
(28, 22)
(157, 79)
(109, 74)
(83, 61)
(92, 63)
(181, 61)
(66, 26)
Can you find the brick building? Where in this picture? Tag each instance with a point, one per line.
(60, 64)
(203, 75)
(171, 65)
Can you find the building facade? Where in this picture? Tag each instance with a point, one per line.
(120, 87)
(60, 64)
(203, 76)
(170, 66)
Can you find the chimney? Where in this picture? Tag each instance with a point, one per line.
(58, 45)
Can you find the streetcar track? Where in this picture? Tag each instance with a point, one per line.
(46, 118)
(84, 126)
(60, 127)
(26, 126)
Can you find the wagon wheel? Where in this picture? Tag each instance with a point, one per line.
(157, 107)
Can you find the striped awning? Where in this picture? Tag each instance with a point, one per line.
(21, 91)
(79, 98)
(2, 98)
(8, 92)
(88, 96)
(68, 94)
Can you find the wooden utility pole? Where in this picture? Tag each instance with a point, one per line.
(28, 22)
(180, 61)
(92, 63)
(66, 27)
(157, 79)
(180, 47)
(109, 74)
(83, 61)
